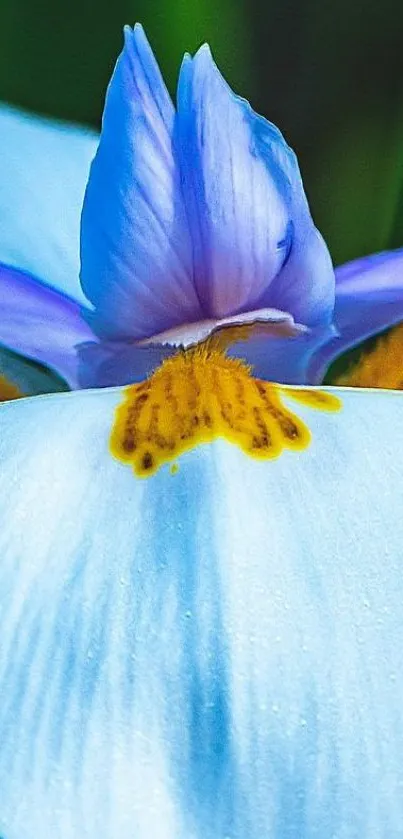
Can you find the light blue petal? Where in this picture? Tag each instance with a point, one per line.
(249, 214)
(44, 168)
(136, 250)
(212, 654)
(369, 299)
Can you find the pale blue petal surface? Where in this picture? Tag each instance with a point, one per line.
(44, 166)
(369, 299)
(249, 214)
(135, 244)
(211, 654)
(38, 322)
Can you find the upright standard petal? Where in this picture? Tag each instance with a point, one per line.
(38, 322)
(248, 211)
(369, 299)
(135, 245)
(213, 653)
(44, 167)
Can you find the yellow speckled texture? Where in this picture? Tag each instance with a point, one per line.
(199, 395)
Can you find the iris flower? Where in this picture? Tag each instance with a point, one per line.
(190, 218)
(201, 576)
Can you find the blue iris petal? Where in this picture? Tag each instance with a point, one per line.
(286, 360)
(253, 235)
(38, 322)
(305, 285)
(205, 655)
(136, 251)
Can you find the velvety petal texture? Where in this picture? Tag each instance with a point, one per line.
(194, 215)
(250, 219)
(369, 299)
(135, 243)
(38, 322)
(215, 653)
(44, 166)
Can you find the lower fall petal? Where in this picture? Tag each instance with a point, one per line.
(212, 653)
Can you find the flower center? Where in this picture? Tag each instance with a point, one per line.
(8, 390)
(381, 367)
(199, 395)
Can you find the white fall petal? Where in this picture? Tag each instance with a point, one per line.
(214, 654)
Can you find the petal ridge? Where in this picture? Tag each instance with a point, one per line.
(248, 211)
(136, 262)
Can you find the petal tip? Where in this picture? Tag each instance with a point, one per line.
(204, 50)
(139, 36)
(204, 60)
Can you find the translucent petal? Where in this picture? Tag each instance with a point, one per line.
(248, 211)
(135, 244)
(44, 168)
(215, 653)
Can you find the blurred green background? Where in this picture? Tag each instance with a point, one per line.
(328, 73)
